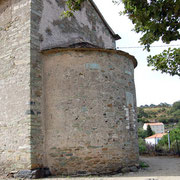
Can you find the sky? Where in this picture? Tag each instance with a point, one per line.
(152, 87)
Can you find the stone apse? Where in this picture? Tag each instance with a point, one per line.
(68, 97)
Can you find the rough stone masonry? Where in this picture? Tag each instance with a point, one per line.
(68, 100)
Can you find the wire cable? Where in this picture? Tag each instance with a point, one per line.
(177, 45)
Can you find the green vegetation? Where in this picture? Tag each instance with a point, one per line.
(154, 20)
(143, 164)
(170, 116)
(149, 131)
(174, 141)
(167, 62)
(157, 20)
(165, 113)
(142, 146)
(73, 5)
(142, 134)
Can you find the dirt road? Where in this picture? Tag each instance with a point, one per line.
(160, 166)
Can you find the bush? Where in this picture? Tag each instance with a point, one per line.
(142, 133)
(166, 120)
(142, 146)
(174, 141)
(143, 164)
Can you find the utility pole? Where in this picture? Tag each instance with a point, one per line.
(169, 143)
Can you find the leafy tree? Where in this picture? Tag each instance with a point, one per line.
(73, 5)
(142, 146)
(176, 113)
(142, 133)
(163, 105)
(142, 113)
(176, 106)
(152, 105)
(178, 125)
(174, 134)
(175, 110)
(168, 61)
(149, 131)
(155, 20)
(174, 139)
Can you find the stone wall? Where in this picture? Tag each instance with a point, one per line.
(85, 26)
(37, 133)
(27, 138)
(15, 85)
(48, 30)
(90, 111)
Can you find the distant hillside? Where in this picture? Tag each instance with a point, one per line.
(165, 113)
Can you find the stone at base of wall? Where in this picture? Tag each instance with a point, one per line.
(121, 171)
(45, 172)
(32, 174)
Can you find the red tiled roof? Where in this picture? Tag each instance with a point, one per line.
(154, 124)
(160, 135)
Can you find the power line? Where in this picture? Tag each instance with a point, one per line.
(150, 46)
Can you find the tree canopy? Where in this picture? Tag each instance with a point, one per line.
(149, 131)
(163, 112)
(73, 5)
(155, 20)
(174, 139)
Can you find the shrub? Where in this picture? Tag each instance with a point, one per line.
(142, 146)
(143, 164)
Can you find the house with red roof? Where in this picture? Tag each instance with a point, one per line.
(156, 127)
(154, 139)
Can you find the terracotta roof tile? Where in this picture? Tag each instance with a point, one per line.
(160, 135)
(154, 124)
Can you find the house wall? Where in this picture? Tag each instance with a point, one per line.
(89, 111)
(14, 85)
(84, 26)
(152, 141)
(156, 128)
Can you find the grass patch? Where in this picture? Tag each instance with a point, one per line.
(143, 165)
